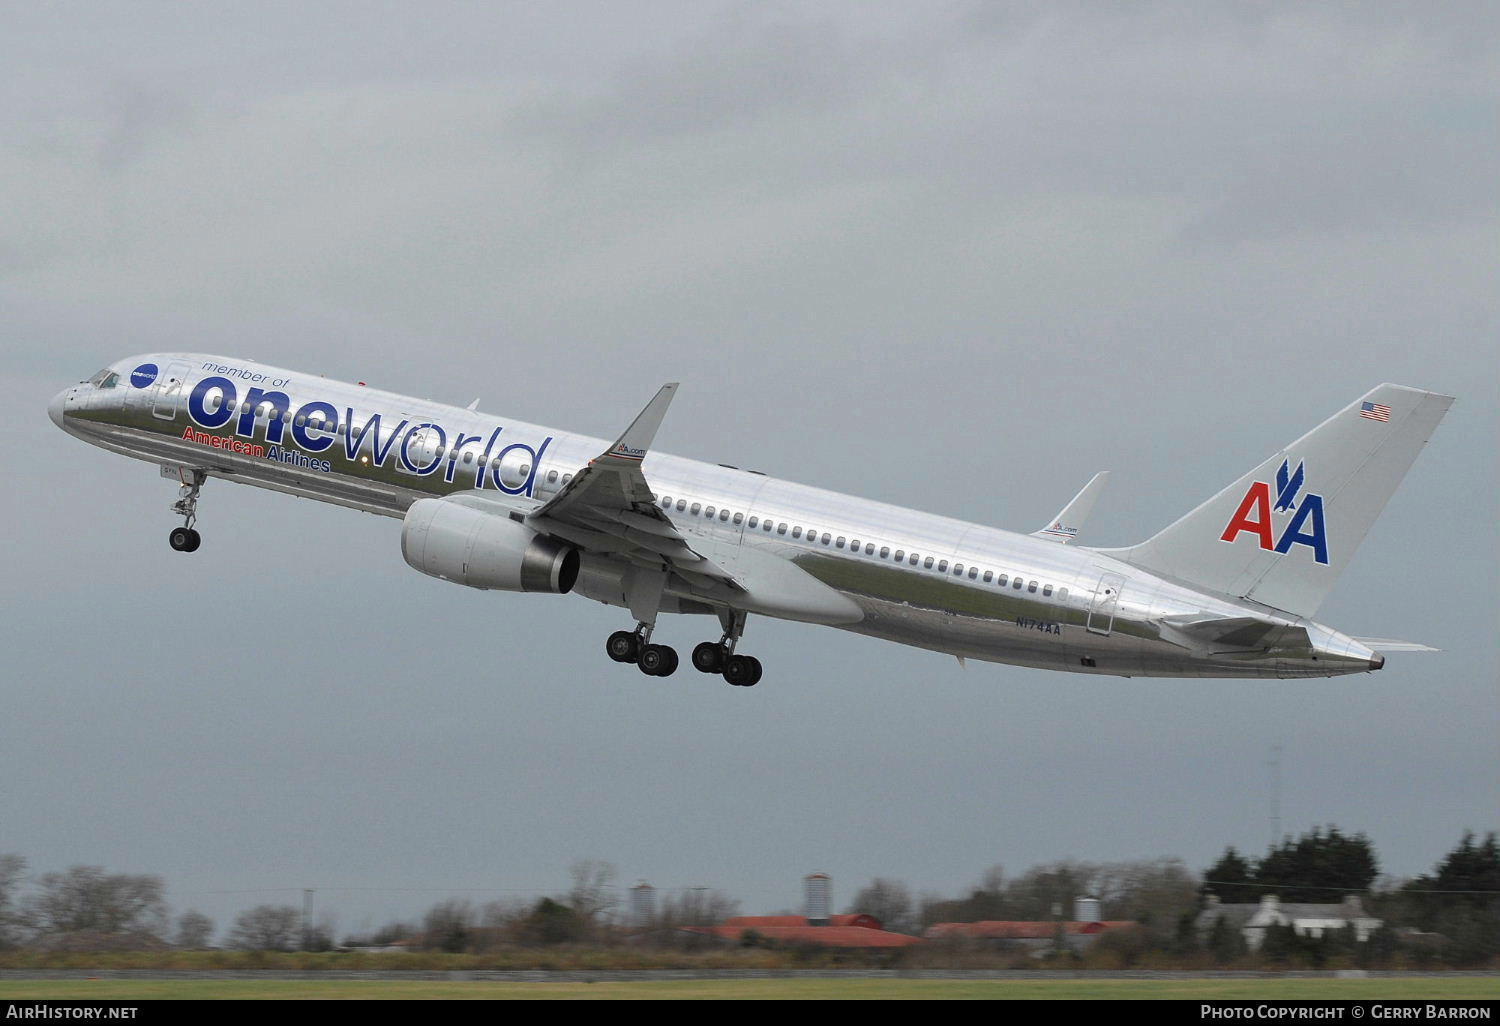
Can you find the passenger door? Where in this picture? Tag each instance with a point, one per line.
(1102, 605)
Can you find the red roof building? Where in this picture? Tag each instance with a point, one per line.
(843, 931)
(826, 936)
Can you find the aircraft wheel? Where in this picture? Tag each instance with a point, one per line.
(658, 661)
(181, 539)
(709, 657)
(623, 647)
(755, 675)
(741, 671)
(194, 540)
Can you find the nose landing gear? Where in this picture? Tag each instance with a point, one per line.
(185, 538)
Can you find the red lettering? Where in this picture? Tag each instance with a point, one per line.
(1256, 501)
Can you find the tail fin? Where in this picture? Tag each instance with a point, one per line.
(1283, 533)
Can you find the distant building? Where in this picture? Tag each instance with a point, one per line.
(642, 904)
(819, 890)
(1038, 937)
(841, 931)
(1307, 920)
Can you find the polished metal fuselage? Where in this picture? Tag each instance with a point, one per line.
(1061, 607)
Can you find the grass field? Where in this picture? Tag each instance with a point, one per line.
(1467, 988)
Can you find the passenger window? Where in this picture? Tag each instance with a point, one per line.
(567, 478)
(440, 452)
(942, 566)
(854, 545)
(1004, 580)
(1031, 587)
(839, 541)
(275, 413)
(681, 505)
(913, 559)
(1047, 590)
(869, 548)
(1016, 584)
(666, 503)
(551, 477)
(900, 555)
(739, 518)
(989, 575)
(927, 563)
(300, 420)
(885, 552)
(709, 512)
(468, 457)
(781, 528)
(766, 526)
(958, 569)
(796, 532)
(696, 508)
(754, 522)
(724, 515)
(1062, 594)
(973, 572)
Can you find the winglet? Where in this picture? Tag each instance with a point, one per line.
(1065, 526)
(634, 443)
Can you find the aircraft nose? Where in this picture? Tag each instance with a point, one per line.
(58, 404)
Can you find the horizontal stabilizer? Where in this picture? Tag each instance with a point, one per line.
(1392, 645)
(1069, 521)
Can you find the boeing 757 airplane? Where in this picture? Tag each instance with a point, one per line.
(1229, 590)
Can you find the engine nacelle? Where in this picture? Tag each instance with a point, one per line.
(483, 549)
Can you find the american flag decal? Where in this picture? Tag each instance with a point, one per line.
(1375, 411)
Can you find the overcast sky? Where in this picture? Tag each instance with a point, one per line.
(953, 256)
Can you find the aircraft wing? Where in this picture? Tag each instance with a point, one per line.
(608, 507)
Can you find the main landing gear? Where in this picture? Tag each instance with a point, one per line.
(719, 657)
(635, 647)
(716, 657)
(185, 538)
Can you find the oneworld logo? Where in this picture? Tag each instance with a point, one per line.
(1304, 524)
(143, 375)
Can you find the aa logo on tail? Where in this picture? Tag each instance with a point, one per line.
(1304, 527)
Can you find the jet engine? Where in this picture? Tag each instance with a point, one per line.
(484, 549)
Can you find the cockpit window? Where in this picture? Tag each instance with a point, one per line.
(105, 379)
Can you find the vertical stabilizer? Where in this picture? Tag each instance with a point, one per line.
(1283, 533)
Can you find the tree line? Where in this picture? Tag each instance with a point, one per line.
(1450, 916)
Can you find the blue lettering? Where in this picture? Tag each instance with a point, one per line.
(526, 486)
(454, 453)
(1316, 539)
(197, 402)
(352, 442)
(484, 458)
(415, 433)
(299, 431)
(253, 398)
